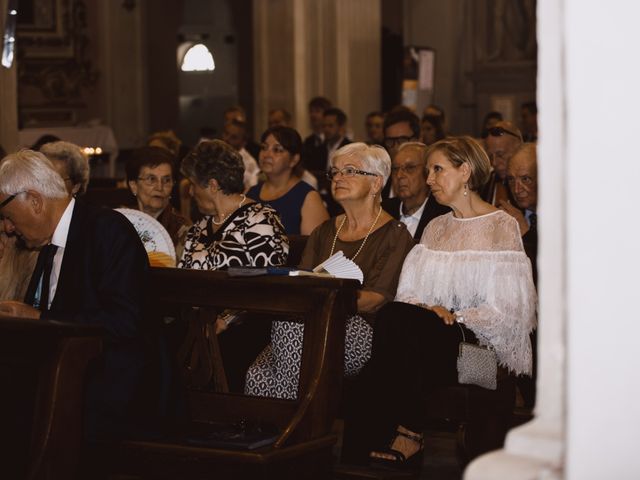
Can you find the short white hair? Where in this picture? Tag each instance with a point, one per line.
(375, 158)
(73, 157)
(30, 170)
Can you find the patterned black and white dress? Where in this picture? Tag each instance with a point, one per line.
(252, 236)
(275, 373)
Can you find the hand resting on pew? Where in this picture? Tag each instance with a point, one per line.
(12, 308)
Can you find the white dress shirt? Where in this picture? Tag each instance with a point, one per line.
(251, 169)
(59, 239)
(412, 221)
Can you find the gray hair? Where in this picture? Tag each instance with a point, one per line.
(421, 147)
(74, 158)
(375, 158)
(28, 170)
(218, 160)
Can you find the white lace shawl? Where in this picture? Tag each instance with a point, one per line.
(478, 268)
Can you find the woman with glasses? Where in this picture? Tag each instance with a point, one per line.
(298, 204)
(368, 236)
(468, 279)
(150, 176)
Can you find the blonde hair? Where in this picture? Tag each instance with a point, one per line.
(464, 149)
(16, 266)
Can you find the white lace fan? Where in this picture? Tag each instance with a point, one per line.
(341, 267)
(155, 238)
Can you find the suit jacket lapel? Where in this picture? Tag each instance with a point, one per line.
(70, 251)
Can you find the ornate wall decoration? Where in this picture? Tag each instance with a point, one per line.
(54, 63)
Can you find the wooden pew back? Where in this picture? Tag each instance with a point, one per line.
(323, 304)
(42, 369)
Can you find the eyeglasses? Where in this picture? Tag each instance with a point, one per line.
(408, 169)
(8, 200)
(151, 180)
(498, 132)
(391, 142)
(347, 172)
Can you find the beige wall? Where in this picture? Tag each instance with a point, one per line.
(473, 72)
(438, 25)
(305, 48)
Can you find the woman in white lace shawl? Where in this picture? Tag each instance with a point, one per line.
(468, 273)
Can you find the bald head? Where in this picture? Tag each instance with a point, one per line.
(503, 141)
(522, 176)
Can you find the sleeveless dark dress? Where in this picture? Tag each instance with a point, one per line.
(288, 206)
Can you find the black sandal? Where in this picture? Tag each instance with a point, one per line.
(400, 461)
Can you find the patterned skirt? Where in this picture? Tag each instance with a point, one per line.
(276, 371)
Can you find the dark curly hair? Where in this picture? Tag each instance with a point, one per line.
(218, 160)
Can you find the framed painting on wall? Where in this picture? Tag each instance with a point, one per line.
(44, 29)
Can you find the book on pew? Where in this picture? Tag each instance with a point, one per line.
(336, 266)
(236, 436)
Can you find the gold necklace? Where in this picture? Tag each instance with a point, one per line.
(226, 215)
(333, 246)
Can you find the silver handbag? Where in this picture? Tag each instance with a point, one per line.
(477, 365)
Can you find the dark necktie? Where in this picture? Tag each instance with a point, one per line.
(42, 272)
(533, 221)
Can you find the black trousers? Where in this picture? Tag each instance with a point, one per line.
(414, 351)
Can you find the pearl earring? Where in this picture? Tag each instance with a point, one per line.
(465, 189)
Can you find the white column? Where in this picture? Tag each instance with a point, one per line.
(536, 449)
(587, 415)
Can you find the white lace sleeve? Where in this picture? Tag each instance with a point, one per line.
(507, 315)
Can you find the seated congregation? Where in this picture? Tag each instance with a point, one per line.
(443, 231)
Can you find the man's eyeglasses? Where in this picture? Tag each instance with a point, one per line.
(347, 172)
(408, 169)
(391, 142)
(151, 180)
(498, 132)
(8, 200)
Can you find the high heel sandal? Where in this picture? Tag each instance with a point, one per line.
(400, 461)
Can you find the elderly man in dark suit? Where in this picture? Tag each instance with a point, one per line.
(92, 269)
(522, 178)
(413, 205)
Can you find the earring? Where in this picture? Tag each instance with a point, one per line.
(465, 189)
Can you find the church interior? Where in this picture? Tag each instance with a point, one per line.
(243, 362)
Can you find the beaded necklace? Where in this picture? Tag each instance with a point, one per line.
(335, 238)
(226, 215)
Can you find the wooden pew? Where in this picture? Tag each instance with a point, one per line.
(303, 448)
(42, 369)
